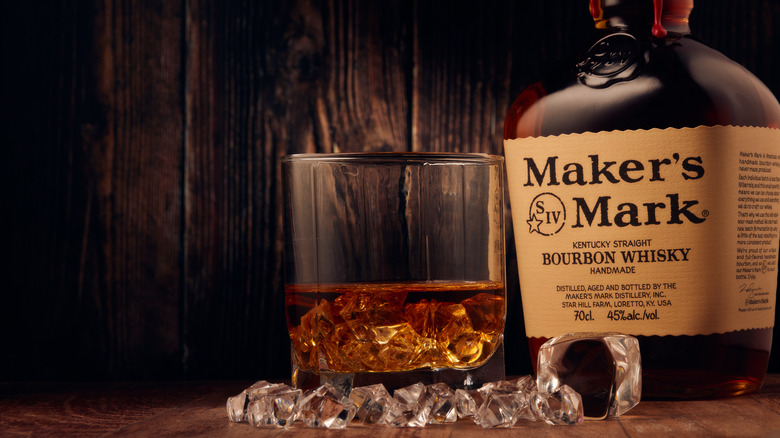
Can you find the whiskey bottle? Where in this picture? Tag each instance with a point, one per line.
(644, 181)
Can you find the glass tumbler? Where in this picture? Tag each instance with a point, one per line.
(394, 268)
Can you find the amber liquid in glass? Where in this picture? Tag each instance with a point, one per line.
(628, 80)
(391, 327)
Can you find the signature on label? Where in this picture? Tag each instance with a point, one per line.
(750, 289)
(752, 292)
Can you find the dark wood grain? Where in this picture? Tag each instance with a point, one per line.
(139, 190)
(232, 303)
(198, 409)
(141, 141)
(366, 59)
(133, 241)
(95, 126)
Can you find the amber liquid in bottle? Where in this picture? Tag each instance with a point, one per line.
(643, 70)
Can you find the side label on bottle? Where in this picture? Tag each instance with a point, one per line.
(656, 232)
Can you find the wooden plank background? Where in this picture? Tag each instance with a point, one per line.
(141, 145)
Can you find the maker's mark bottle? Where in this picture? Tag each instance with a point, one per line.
(644, 183)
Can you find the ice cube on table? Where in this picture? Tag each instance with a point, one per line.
(374, 404)
(465, 403)
(276, 408)
(237, 405)
(441, 400)
(326, 407)
(501, 408)
(604, 368)
(413, 408)
(562, 406)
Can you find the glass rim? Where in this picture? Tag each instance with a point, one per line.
(397, 157)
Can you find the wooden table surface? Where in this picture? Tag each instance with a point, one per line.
(198, 408)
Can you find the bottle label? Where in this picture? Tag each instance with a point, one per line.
(651, 232)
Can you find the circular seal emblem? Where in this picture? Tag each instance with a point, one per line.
(547, 215)
(614, 58)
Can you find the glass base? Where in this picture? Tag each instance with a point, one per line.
(492, 370)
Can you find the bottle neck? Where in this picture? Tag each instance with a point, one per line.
(661, 17)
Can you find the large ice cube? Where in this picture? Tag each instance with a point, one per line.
(604, 368)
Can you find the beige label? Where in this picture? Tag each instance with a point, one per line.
(659, 232)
